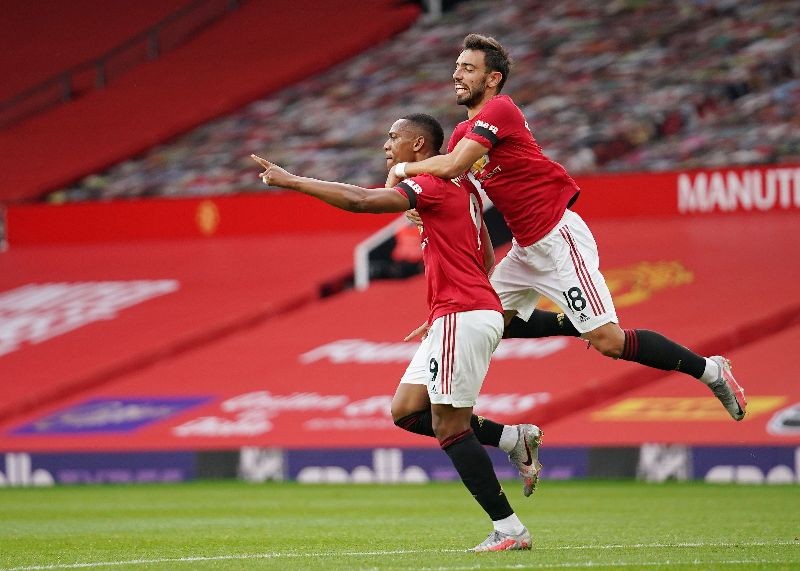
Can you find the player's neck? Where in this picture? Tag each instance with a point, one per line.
(472, 111)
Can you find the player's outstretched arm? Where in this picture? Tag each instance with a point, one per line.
(459, 160)
(345, 196)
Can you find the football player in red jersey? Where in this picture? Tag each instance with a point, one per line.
(465, 321)
(553, 252)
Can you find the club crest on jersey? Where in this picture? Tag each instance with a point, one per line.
(480, 164)
(478, 169)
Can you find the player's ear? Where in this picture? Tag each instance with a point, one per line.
(494, 79)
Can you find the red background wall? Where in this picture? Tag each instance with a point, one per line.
(602, 196)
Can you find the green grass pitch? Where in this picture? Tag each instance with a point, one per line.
(234, 525)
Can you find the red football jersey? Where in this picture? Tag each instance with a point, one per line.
(452, 249)
(530, 190)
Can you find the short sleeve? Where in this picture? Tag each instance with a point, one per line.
(423, 191)
(496, 121)
(405, 188)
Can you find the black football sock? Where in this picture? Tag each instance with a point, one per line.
(487, 431)
(654, 350)
(541, 324)
(473, 464)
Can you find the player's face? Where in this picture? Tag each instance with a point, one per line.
(470, 78)
(399, 147)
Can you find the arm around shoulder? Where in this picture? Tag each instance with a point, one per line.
(451, 165)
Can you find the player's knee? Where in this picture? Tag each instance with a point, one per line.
(409, 399)
(609, 350)
(446, 427)
(400, 410)
(607, 342)
(442, 427)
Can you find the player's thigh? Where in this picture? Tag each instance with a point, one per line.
(513, 279)
(575, 284)
(409, 398)
(461, 348)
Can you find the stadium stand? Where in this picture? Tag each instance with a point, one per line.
(260, 48)
(606, 87)
(41, 51)
(322, 375)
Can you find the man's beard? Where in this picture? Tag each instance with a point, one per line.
(473, 98)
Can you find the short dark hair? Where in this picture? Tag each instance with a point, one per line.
(431, 128)
(494, 54)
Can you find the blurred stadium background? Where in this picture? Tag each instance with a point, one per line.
(163, 317)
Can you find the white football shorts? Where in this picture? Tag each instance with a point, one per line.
(565, 267)
(453, 359)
